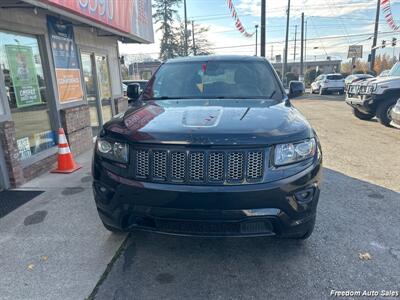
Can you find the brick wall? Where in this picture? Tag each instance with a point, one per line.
(40, 167)
(12, 158)
(76, 124)
(121, 104)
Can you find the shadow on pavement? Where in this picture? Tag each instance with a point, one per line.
(354, 216)
(315, 97)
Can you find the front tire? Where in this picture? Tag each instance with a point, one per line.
(383, 113)
(362, 116)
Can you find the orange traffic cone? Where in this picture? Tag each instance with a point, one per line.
(66, 163)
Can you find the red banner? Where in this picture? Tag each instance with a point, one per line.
(128, 16)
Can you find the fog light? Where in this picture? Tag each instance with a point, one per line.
(305, 196)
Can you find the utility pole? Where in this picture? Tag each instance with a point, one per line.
(272, 52)
(305, 45)
(285, 59)
(373, 52)
(263, 5)
(302, 48)
(256, 39)
(295, 43)
(186, 32)
(194, 41)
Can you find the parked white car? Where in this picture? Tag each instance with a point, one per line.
(328, 83)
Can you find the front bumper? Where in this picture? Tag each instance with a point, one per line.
(286, 207)
(395, 114)
(333, 89)
(364, 103)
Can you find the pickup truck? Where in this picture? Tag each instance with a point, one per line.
(375, 96)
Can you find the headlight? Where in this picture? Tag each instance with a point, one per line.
(286, 154)
(113, 150)
(372, 88)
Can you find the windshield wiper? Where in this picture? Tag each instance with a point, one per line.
(273, 93)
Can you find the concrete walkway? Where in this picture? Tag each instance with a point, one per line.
(54, 246)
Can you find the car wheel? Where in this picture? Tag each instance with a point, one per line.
(383, 113)
(362, 116)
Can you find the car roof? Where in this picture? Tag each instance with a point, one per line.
(202, 58)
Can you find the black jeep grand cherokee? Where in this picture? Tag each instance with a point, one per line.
(212, 147)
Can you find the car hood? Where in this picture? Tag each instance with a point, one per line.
(210, 122)
(379, 80)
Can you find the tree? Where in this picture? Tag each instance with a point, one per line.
(384, 62)
(290, 76)
(164, 15)
(200, 47)
(361, 67)
(310, 76)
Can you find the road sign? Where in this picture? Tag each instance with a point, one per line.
(355, 51)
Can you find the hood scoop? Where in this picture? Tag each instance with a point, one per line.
(202, 116)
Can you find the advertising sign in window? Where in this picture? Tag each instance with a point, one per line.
(65, 60)
(23, 75)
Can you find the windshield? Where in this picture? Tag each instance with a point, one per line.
(395, 71)
(334, 77)
(214, 79)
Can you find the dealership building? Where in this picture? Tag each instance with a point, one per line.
(60, 67)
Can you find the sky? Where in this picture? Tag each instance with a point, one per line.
(332, 25)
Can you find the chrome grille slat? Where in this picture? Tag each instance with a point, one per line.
(255, 165)
(196, 166)
(160, 165)
(199, 166)
(216, 166)
(142, 163)
(235, 166)
(178, 166)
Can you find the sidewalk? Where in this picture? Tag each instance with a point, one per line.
(54, 246)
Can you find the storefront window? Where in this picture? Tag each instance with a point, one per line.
(103, 80)
(26, 93)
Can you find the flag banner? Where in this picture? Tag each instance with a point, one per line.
(238, 23)
(387, 11)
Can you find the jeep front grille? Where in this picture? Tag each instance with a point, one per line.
(199, 166)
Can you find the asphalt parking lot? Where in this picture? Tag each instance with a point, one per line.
(358, 215)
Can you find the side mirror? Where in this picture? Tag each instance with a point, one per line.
(133, 91)
(296, 89)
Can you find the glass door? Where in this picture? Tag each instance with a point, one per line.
(104, 87)
(89, 75)
(98, 89)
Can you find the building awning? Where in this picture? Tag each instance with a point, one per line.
(130, 20)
